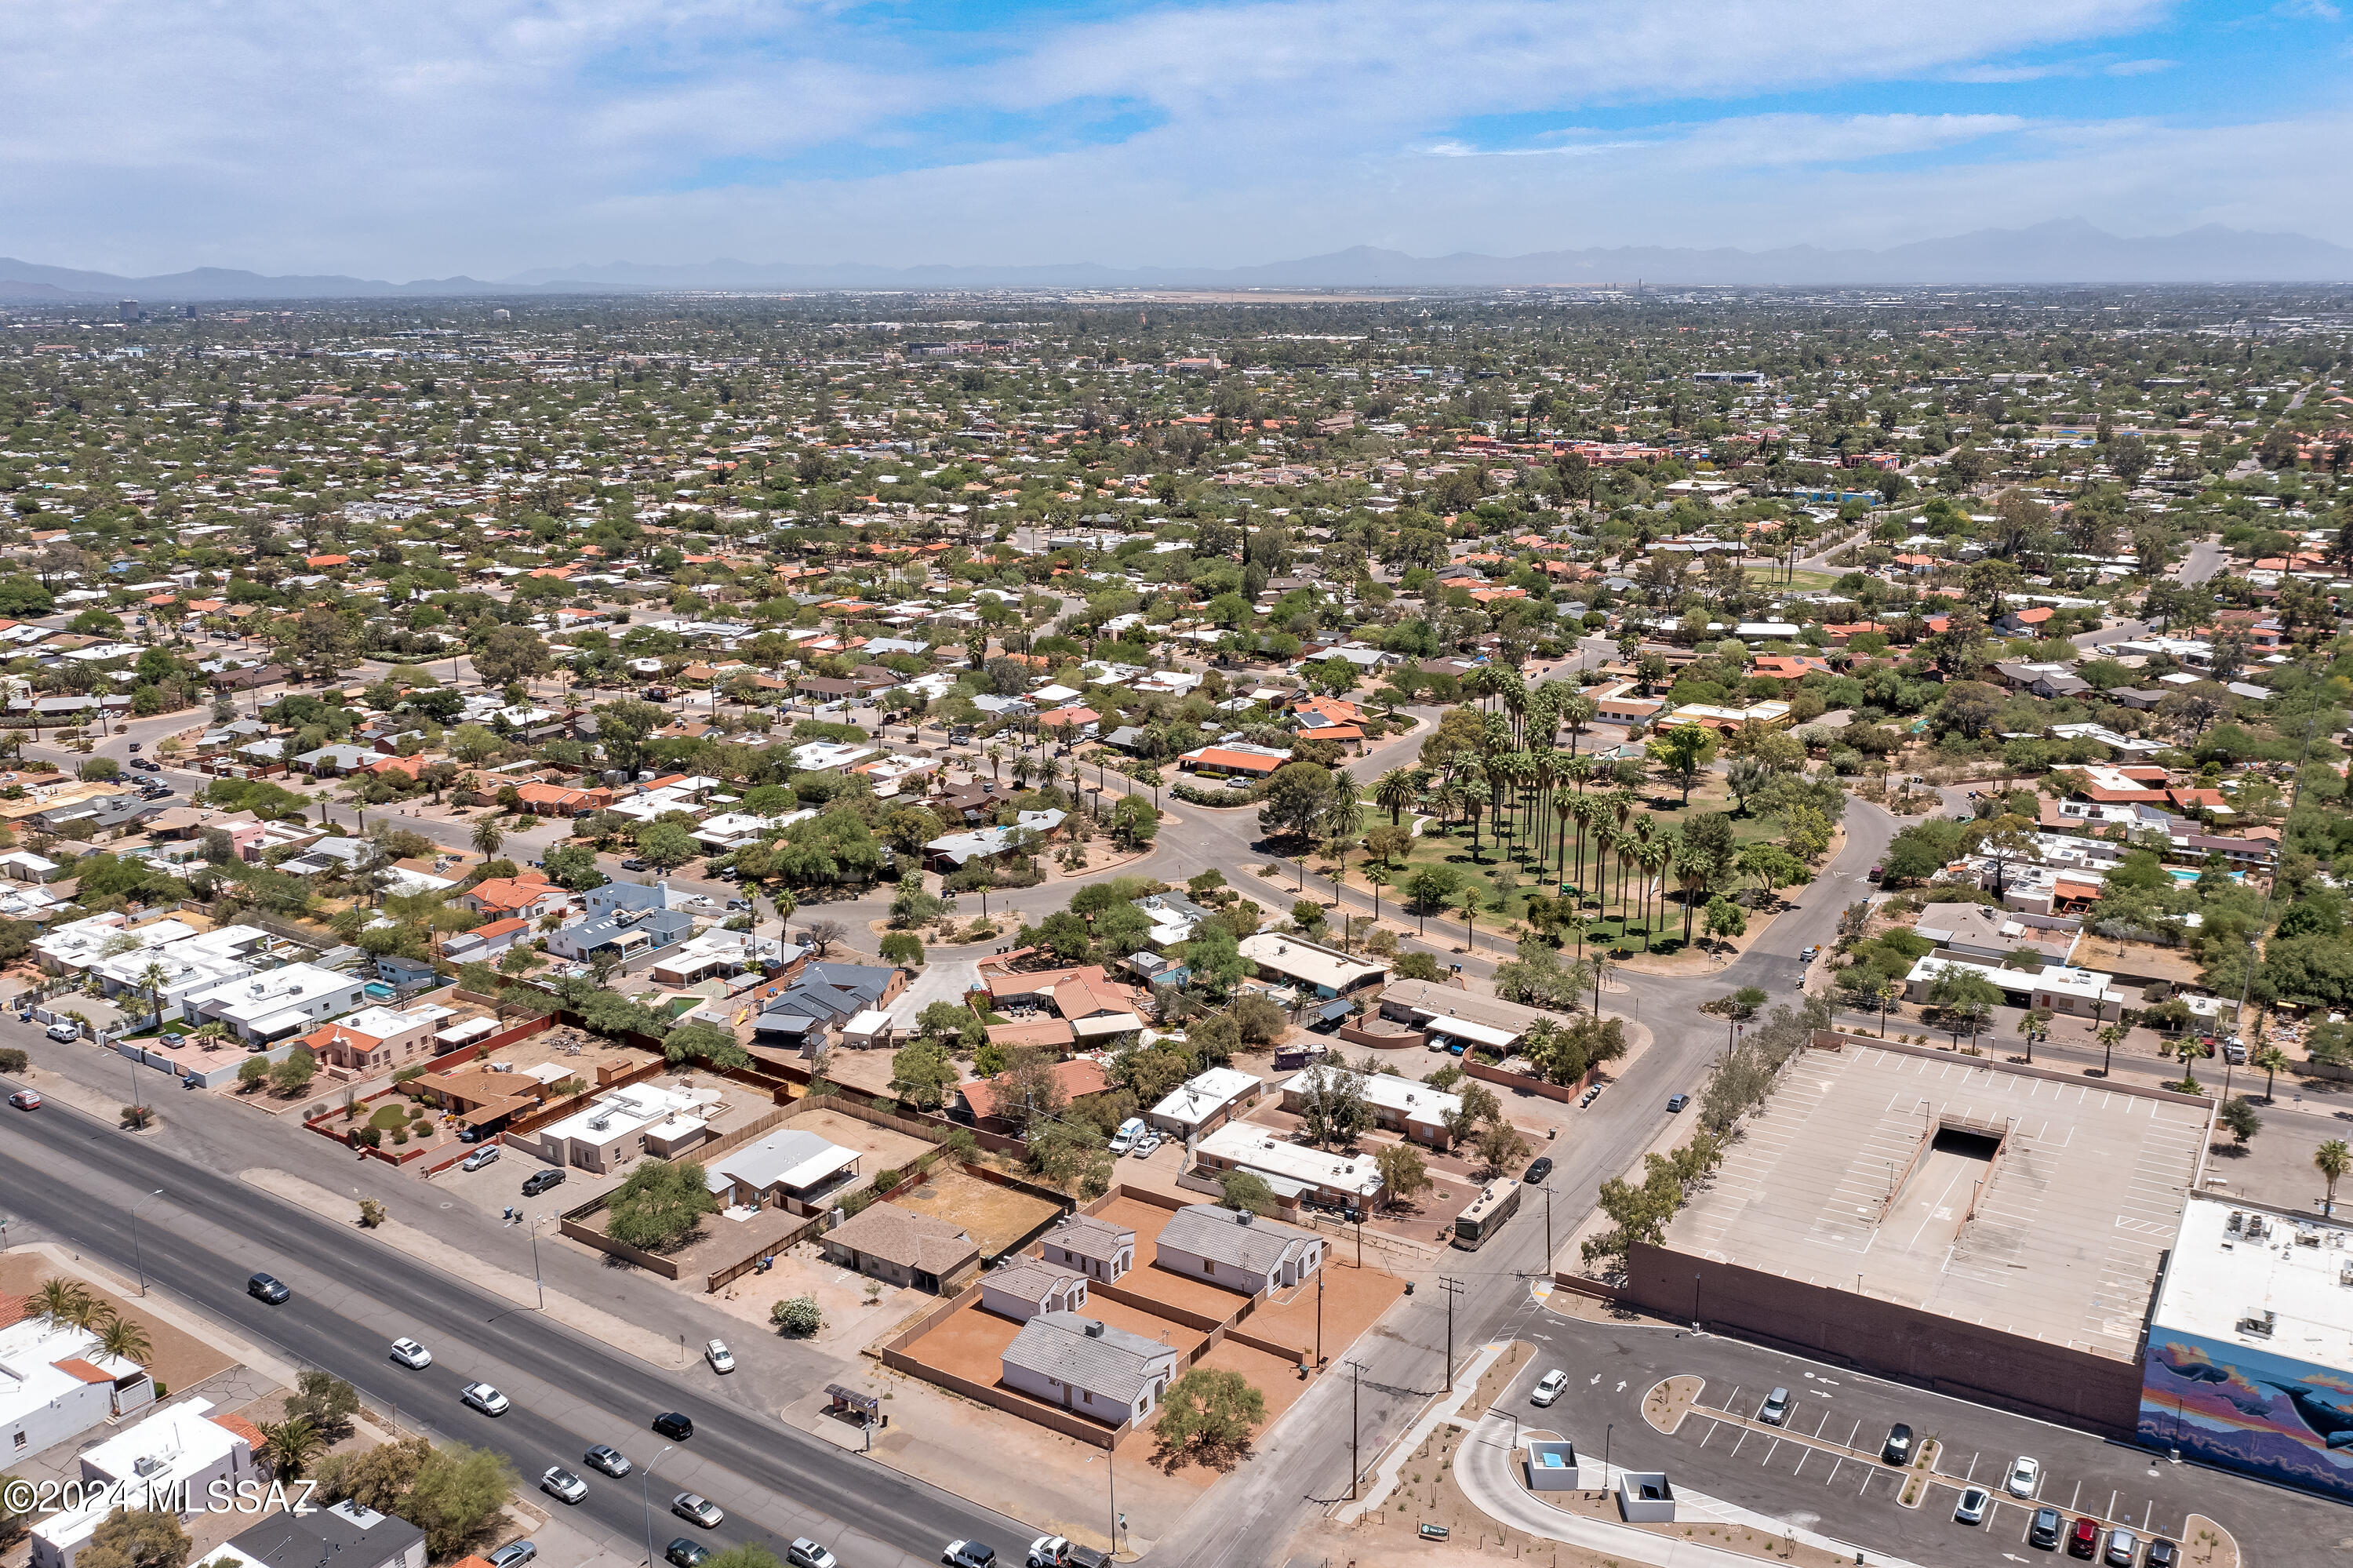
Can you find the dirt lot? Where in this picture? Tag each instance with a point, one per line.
(180, 1359)
(1354, 1300)
(995, 1217)
(882, 1148)
(852, 1317)
(970, 1343)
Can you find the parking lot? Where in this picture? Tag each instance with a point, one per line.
(1820, 1471)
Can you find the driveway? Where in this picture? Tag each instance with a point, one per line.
(940, 980)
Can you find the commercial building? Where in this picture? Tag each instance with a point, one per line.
(1992, 1230)
(347, 1535)
(2250, 1348)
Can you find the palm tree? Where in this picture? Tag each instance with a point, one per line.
(153, 978)
(2109, 1034)
(290, 1446)
(66, 1303)
(1377, 877)
(2271, 1059)
(1344, 817)
(1469, 906)
(124, 1338)
(488, 837)
(1656, 855)
(2332, 1159)
(1474, 805)
(1694, 870)
(1577, 711)
(1564, 806)
(1396, 790)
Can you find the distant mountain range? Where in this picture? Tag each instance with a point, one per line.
(2066, 250)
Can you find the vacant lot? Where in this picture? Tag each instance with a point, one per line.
(995, 1217)
(883, 1149)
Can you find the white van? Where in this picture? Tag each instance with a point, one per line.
(1129, 1131)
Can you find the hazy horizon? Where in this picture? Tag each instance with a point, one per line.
(503, 137)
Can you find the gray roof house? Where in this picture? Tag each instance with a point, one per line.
(1088, 1368)
(347, 1535)
(1025, 1286)
(822, 996)
(954, 850)
(628, 932)
(334, 759)
(787, 1169)
(1235, 1250)
(1097, 1248)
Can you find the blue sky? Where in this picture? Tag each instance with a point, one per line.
(491, 136)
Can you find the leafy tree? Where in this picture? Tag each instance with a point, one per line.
(574, 866)
(1479, 1108)
(922, 1074)
(1298, 797)
(1215, 957)
(1245, 1191)
(1725, 919)
(659, 1204)
(1403, 1173)
(704, 1043)
(512, 653)
(1072, 1155)
(1259, 1020)
(149, 1538)
(953, 1024)
(2238, 1117)
(667, 844)
(1966, 998)
(458, 1494)
(1501, 1146)
(1030, 1091)
(1208, 1417)
(1333, 1106)
(327, 1401)
(798, 1316)
(293, 1072)
(1684, 754)
(252, 1072)
(903, 948)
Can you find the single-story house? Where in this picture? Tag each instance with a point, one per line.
(896, 1244)
(1027, 1287)
(1236, 1250)
(1088, 1367)
(787, 1169)
(1206, 1102)
(1293, 959)
(1094, 1248)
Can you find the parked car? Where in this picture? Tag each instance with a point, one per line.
(484, 1398)
(684, 1553)
(1875, 873)
(1146, 1145)
(62, 1031)
(721, 1358)
(697, 1509)
(2161, 1554)
(806, 1553)
(2123, 1547)
(513, 1554)
(1050, 1551)
(2047, 1526)
(561, 1483)
(605, 1457)
(2085, 1539)
(1774, 1411)
(1548, 1387)
(633, 863)
(969, 1554)
(2025, 1475)
(26, 1100)
(411, 1354)
(1538, 1169)
(1675, 1102)
(268, 1288)
(1972, 1509)
(1897, 1450)
(671, 1425)
(479, 1157)
(541, 1180)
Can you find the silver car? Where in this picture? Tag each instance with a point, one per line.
(698, 1510)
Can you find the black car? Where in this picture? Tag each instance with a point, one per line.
(1539, 1169)
(266, 1287)
(2161, 1554)
(670, 1424)
(1897, 1450)
(685, 1554)
(2045, 1530)
(540, 1182)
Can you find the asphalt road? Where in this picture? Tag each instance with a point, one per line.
(68, 1176)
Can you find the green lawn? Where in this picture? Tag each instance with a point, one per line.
(1803, 580)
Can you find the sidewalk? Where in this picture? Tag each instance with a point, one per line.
(1484, 1469)
(1445, 1410)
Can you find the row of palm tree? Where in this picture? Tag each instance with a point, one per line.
(69, 1304)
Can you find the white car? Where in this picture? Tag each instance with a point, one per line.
(721, 1358)
(411, 1354)
(484, 1398)
(806, 1553)
(1548, 1387)
(1050, 1551)
(2025, 1475)
(562, 1483)
(1972, 1509)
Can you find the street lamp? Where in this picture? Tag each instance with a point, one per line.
(138, 1253)
(535, 1278)
(645, 1499)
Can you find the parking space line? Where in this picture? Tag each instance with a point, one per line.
(1769, 1452)
(2112, 1505)
(1739, 1440)
(2076, 1498)
(1804, 1454)
(1710, 1433)
(1836, 1460)
(1867, 1474)
(1973, 1471)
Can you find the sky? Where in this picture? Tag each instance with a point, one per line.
(488, 137)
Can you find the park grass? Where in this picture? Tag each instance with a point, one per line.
(1504, 884)
(1804, 579)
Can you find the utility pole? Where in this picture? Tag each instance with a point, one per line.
(1355, 1426)
(1319, 1316)
(1548, 1230)
(1453, 1287)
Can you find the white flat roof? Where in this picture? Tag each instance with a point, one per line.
(1259, 1148)
(1203, 1093)
(1417, 1101)
(2219, 1279)
(1317, 966)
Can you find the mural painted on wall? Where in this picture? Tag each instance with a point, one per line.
(2273, 1416)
